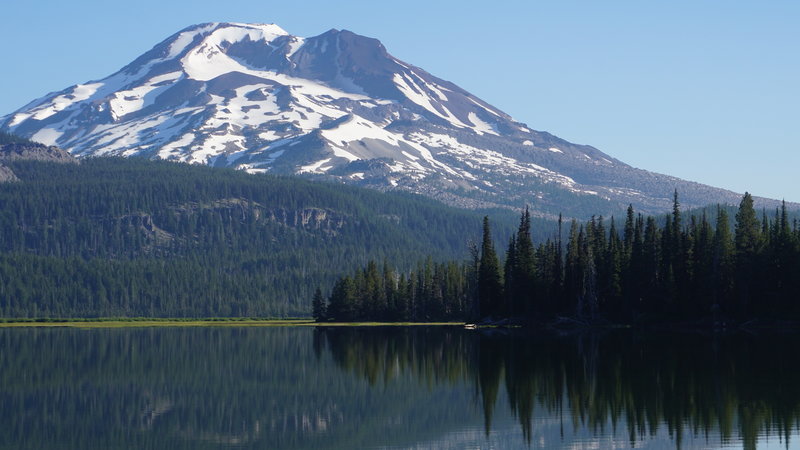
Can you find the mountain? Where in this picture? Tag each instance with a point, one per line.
(337, 105)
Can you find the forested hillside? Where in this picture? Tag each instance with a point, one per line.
(131, 237)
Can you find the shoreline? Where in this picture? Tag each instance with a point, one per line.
(753, 326)
(143, 322)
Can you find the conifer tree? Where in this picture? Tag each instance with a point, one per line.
(628, 234)
(490, 288)
(588, 301)
(651, 257)
(723, 263)
(524, 267)
(573, 272)
(510, 270)
(389, 292)
(318, 306)
(747, 241)
(702, 287)
(400, 311)
(473, 269)
(558, 270)
(614, 256)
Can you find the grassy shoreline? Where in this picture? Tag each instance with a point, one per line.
(147, 322)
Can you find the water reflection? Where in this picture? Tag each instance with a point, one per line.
(297, 388)
(733, 388)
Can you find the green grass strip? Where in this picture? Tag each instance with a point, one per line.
(210, 322)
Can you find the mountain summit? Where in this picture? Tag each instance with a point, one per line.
(254, 97)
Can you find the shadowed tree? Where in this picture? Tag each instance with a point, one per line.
(318, 306)
(747, 241)
(490, 287)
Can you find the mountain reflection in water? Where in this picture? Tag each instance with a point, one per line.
(425, 387)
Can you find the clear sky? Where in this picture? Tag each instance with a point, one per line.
(704, 90)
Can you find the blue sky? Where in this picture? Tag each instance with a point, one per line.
(704, 90)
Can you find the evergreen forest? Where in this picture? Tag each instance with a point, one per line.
(8, 138)
(679, 269)
(113, 237)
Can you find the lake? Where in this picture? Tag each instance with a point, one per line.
(394, 387)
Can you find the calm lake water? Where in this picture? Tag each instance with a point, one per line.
(343, 388)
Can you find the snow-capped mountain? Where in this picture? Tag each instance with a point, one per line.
(254, 97)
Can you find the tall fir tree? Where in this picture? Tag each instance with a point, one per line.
(747, 242)
(318, 306)
(573, 272)
(723, 264)
(490, 286)
(524, 269)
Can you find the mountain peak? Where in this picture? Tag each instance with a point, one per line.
(211, 26)
(336, 105)
(267, 27)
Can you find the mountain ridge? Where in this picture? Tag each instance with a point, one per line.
(337, 106)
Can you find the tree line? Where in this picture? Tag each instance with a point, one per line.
(132, 237)
(673, 268)
(8, 138)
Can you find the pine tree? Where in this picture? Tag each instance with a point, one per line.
(651, 263)
(557, 291)
(318, 306)
(490, 288)
(389, 291)
(613, 272)
(628, 235)
(401, 308)
(588, 301)
(703, 262)
(723, 263)
(510, 270)
(473, 270)
(747, 242)
(572, 270)
(524, 269)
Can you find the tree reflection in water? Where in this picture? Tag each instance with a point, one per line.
(393, 387)
(739, 387)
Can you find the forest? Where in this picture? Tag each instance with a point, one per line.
(113, 237)
(678, 268)
(8, 138)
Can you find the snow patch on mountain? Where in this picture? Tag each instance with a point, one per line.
(47, 136)
(482, 127)
(414, 93)
(316, 166)
(132, 100)
(61, 102)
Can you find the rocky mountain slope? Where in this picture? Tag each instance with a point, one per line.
(337, 105)
(34, 151)
(14, 148)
